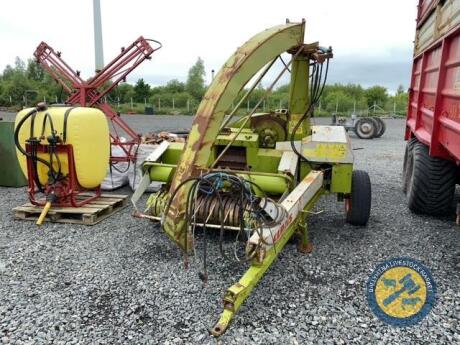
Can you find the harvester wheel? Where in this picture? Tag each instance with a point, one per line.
(430, 182)
(358, 204)
(366, 128)
(407, 169)
(381, 127)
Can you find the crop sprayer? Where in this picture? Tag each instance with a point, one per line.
(55, 144)
(258, 175)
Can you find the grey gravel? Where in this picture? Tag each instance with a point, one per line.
(123, 281)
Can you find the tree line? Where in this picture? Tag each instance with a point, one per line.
(26, 83)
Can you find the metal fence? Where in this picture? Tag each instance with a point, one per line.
(172, 105)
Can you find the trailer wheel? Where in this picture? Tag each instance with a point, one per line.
(358, 204)
(407, 164)
(430, 182)
(381, 127)
(366, 128)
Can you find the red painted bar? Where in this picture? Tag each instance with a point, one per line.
(433, 113)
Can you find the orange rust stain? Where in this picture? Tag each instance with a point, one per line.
(308, 179)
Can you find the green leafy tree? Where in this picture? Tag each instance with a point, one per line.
(181, 99)
(195, 80)
(130, 94)
(399, 101)
(255, 96)
(282, 89)
(29, 79)
(175, 86)
(19, 65)
(338, 99)
(17, 87)
(376, 95)
(35, 71)
(141, 90)
(8, 72)
(354, 91)
(50, 89)
(124, 92)
(157, 91)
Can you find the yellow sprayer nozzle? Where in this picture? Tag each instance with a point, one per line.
(44, 213)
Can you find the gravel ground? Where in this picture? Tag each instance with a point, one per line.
(123, 281)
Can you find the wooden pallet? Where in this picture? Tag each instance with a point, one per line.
(89, 214)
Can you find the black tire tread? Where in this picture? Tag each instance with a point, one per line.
(405, 174)
(432, 184)
(382, 127)
(361, 198)
(375, 127)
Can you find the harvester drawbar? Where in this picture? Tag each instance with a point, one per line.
(260, 175)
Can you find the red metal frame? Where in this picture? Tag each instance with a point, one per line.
(433, 114)
(91, 93)
(425, 7)
(65, 190)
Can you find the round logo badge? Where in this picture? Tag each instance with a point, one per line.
(401, 291)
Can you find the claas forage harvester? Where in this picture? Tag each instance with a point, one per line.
(259, 175)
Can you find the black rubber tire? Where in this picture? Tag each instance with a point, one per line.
(359, 207)
(367, 132)
(406, 169)
(430, 182)
(382, 127)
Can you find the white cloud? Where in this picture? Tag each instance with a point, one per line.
(367, 30)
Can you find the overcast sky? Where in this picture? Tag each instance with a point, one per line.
(372, 40)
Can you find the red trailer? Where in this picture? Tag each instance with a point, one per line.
(433, 118)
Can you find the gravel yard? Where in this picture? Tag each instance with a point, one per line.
(123, 281)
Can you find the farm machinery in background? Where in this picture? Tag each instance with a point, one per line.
(92, 93)
(258, 176)
(65, 150)
(363, 127)
(432, 155)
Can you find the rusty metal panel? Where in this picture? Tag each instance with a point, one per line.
(444, 18)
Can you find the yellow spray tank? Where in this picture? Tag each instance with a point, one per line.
(64, 152)
(86, 129)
